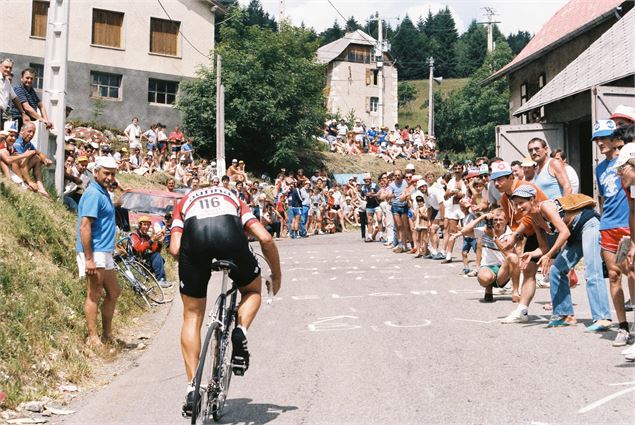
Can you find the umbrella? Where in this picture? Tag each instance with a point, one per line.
(89, 134)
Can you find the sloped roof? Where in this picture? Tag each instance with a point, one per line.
(572, 19)
(328, 52)
(611, 57)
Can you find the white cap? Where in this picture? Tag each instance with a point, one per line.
(626, 153)
(11, 126)
(623, 111)
(421, 183)
(410, 167)
(105, 162)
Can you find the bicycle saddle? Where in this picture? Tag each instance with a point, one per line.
(218, 265)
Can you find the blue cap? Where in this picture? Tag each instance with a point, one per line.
(524, 191)
(500, 169)
(603, 128)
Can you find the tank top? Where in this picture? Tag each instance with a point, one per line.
(547, 182)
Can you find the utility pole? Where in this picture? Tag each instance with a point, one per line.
(490, 13)
(220, 119)
(431, 99)
(379, 59)
(282, 16)
(54, 87)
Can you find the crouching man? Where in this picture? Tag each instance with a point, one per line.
(497, 267)
(148, 248)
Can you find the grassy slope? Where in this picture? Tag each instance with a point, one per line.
(42, 328)
(412, 113)
(344, 164)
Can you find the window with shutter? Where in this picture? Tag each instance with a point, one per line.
(367, 76)
(164, 36)
(38, 18)
(107, 26)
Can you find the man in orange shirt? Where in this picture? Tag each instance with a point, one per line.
(505, 182)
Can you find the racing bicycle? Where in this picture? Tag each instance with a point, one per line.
(214, 370)
(140, 279)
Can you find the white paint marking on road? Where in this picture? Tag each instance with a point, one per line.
(385, 294)
(606, 400)
(622, 383)
(353, 309)
(333, 278)
(373, 267)
(358, 278)
(541, 318)
(465, 291)
(402, 357)
(341, 297)
(305, 297)
(315, 273)
(417, 266)
(476, 321)
(311, 252)
(426, 292)
(396, 267)
(355, 271)
(375, 328)
(391, 277)
(419, 325)
(322, 325)
(361, 261)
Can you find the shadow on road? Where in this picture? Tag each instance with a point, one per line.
(242, 410)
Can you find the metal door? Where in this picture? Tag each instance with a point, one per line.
(511, 140)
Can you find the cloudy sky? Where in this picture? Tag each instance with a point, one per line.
(514, 14)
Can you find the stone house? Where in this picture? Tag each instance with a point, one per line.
(575, 70)
(357, 80)
(125, 59)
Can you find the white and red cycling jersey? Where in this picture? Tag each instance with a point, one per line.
(209, 203)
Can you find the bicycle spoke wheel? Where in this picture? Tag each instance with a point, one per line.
(132, 284)
(224, 369)
(149, 284)
(205, 387)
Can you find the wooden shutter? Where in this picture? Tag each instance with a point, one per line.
(367, 104)
(368, 76)
(107, 28)
(38, 18)
(164, 36)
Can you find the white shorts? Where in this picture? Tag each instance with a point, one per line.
(135, 144)
(454, 212)
(103, 260)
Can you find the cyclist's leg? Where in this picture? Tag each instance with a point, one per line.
(193, 316)
(249, 302)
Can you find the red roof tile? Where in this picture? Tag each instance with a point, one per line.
(571, 17)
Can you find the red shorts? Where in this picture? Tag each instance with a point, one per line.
(610, 238)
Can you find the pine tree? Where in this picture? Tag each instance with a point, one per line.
(411, 49)
(331, 34)
(471, 49)
(352, 25)
(444, 33)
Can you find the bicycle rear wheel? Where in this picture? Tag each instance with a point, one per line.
(150, 288)
(205, 386)
(223, 366)
(129, 276)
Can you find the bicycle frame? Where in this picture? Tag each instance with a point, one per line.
(222, 314)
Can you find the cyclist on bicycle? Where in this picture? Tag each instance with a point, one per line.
(211, 224)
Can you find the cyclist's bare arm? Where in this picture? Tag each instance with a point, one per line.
(270, 252)
(175, 244)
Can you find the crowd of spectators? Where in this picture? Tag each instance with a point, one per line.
(382, 142)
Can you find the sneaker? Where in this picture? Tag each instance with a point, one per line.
(369, 239)
(516, 317)
(398, 249)
(559, 321)
(541, 283)
(599, 326)
(473, 273)
(465, 272)
(628, 306)
(240, 353)
(439, 256)
(630, 357)
(629, 350)
(428, 256)
(188, 405)
(165, 284)
(622, 338)
(505, 290)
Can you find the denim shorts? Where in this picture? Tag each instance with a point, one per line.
(399, 209)
(469, 243)
(371, 211)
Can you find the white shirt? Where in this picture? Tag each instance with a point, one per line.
(573, 178)
(435, 196)
(491, 256)
(342, 129)
(6, 93)
(133, 131)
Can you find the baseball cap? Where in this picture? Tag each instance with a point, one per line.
(366, 176)
(473, 172)
(144, 219)
(410, 167)
(625, 112)
(483, 169)
(11, 126)
(421, 183)
(524, 191)
(626, 153)
(603, 128)
(4, 133)
(500, 169)
(234, 160)
(105, 162)
(82, 158)
(528, 162)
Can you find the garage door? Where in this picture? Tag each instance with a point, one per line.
(511, 140)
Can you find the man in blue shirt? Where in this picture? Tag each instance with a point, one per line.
(34, 163)
(614, 223)
(95, 246)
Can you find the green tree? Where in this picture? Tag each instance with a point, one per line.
(274, 101)
(518, 41)
(411, 50)
(466, 120)
(407, 92)
(331, 34)
(471, 49)
(444, 33)
(256, 15)
(352, 25)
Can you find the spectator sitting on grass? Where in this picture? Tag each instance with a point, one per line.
(34, 163)
(9, 160)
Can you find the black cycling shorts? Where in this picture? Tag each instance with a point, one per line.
(204, 240)
(531, 244)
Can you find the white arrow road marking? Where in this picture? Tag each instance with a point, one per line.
(419, 325)
(465, 291)
(322, 325)
(385, 294)
(341, 297)
(305, 297)
(333, 278)
(355, 271)
(358, 278)
(608, 398)
(426, 292)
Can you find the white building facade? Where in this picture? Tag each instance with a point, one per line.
(355, 83)
(125, 59)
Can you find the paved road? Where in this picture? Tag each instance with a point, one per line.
(360, 335)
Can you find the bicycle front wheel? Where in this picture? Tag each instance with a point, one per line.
(126, 272)
(150, 287)
(205, 386)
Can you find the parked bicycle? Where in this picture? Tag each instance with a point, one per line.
(140, 279)
(214, 371)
